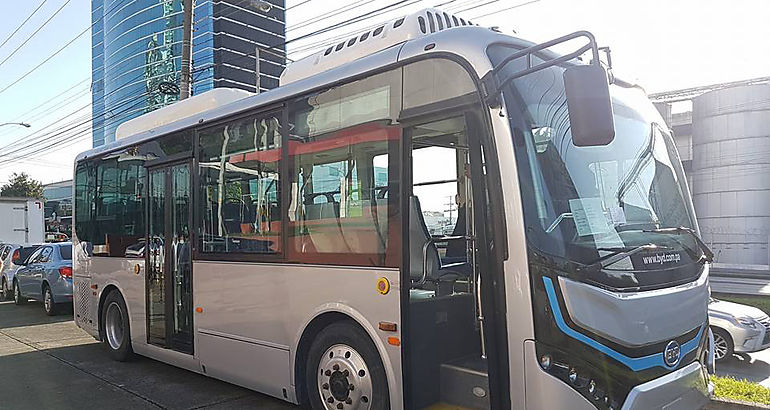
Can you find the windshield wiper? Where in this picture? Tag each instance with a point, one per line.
(617, 255)
(637, 167)
(707, 253)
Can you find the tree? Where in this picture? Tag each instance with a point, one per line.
(21, 185)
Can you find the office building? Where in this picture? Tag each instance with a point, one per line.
(137, 48)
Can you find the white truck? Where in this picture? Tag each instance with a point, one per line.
(22, 220)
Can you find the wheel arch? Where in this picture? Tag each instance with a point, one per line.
(324, 317)
(108, 289)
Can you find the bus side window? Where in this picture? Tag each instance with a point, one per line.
(344, 146)
(239, 166)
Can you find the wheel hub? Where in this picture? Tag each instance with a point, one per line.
(720, 346)
(344, 381)
(114, 326)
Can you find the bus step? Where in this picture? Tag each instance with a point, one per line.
(465, 383)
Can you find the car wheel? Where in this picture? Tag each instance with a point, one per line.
(344, 370)
(723, 344)
(48, 303)
(117, 333)
(18, 299)
(3, 290)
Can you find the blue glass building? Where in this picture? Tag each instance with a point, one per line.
(137, 44)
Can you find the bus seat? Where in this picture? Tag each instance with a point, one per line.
(418, 238)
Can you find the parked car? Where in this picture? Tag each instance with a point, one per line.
(46, 276)
(11, 257)
(56, 237)
(737, 328)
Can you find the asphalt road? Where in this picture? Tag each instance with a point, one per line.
(49, 363)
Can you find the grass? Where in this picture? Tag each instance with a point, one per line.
(760, 302)
(730, 388)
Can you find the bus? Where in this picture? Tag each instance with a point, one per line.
(428, 215)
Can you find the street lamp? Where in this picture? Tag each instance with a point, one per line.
(23, 124)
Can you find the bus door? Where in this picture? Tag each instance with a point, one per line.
(169, 260)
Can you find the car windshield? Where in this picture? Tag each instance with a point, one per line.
(585, 204)
(66, 252)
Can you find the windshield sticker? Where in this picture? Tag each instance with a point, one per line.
(662, 258)
(617, 215)
(589, 216)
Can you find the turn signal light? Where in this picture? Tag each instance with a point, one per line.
(65, 272)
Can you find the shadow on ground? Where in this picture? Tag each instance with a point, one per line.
(47, 362)
(29, 314)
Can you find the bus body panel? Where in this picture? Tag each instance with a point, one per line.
(121, 273)
(255, 314)
(545, 392)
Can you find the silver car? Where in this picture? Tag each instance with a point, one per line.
(46, 276)
(11, 258)
(737, 328)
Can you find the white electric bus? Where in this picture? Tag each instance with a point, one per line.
(427, 215)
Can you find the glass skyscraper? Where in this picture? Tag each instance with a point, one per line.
(137, 45)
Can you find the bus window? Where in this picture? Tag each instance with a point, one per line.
(342, 150)
(430, 81)
(239, 165)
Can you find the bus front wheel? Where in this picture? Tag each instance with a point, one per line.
(344, 371)
(117, 335)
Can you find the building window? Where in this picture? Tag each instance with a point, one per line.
(240, 196)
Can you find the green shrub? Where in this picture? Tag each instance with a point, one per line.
(731, 388)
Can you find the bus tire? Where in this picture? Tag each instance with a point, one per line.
(117, 332)
(344, 368)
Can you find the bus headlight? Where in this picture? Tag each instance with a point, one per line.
(545, 362)
(590, 382)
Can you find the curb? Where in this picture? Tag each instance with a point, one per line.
(727, 404)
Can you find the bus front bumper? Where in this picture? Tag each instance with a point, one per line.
(685, 389)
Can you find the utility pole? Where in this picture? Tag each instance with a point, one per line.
(257, 68)
(185, 81)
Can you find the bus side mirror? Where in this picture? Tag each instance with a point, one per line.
(590, 105)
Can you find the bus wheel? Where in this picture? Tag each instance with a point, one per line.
(344, 371)
(117, 334)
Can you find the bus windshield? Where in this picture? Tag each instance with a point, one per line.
(584, 204)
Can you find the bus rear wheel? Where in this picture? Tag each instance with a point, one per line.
(117, 334)
(344, 371)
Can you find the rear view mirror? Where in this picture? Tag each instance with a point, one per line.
(590, 105)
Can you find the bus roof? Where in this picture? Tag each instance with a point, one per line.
(467, 42)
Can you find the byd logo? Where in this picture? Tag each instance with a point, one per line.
(671, 353)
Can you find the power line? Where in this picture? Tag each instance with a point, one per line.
(44, 61)
(298, 4)
(506, 9)
(23, 23)
(35, 32)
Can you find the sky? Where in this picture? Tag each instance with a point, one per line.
(660, 44)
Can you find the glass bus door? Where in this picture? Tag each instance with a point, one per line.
(169, 258)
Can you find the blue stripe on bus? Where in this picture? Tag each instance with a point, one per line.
(633, 363)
